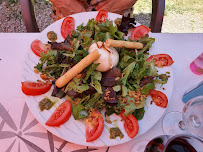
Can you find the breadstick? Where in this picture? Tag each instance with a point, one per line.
(79, 67)
(127, 44)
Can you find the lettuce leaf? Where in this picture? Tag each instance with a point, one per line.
(79, 55)
(81, 88)
(76, 86)
(139, 113)
(117, 88)
(106, 30)
(129, 109)
(91, 24)
(80, 27)
(152, 68)
(96, 84)
(87, 39)
(147, 88)
(124, 91)
(89, 70)
(92, 101)
(95, 81)
(80, 110)
(77, 111)
(125, 61)
(51, 63)
(144, 71)
(127, 72)
(148, 41)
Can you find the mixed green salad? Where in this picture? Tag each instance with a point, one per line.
(122, 89)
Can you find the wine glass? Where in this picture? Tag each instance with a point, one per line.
(140, 146)
(178, 143)
(190, 121)
(157, 142)
(184, 143)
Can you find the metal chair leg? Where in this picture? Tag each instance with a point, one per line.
(158, 7)
(27, 10)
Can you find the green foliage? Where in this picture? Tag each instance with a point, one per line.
(13, 1)
(176, 6)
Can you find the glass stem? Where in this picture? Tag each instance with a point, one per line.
(181, 125)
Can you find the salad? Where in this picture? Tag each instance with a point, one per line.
(98, 68)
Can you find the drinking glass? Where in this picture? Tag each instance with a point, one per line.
(197, 65)
(184, 143)
(191, 119)
(178, 143)
(157, 143)
(140, 146)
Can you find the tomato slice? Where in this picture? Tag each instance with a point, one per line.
(68, 25)
(38, 47)
(94, 126)
(35, 88)
(60, 115)
(102, 16)
(159, 98)
(139, 32)
(130, 124)
(161, 60)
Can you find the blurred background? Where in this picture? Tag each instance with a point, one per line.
(181, 16)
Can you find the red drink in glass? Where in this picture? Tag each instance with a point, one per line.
(197, 65)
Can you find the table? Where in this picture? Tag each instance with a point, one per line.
(20, 131)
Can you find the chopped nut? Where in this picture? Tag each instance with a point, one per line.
(117, 78)
(106, 98)
(136, 103)
(36, 71)
(52, 79)
(44, 76)
(49, 82)
(122, 75)
(108, 119)
(142, 97)
(77, 102)
(124, 100)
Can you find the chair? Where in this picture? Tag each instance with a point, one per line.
(158, 7)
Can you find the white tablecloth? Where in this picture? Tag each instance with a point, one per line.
(28, 135)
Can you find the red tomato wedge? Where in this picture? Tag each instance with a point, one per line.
(101, 16)
(161, 60)
(139, 32)
(60, 115)
(159, 98)
(35, 88)
(94, 126)
(130, 124)
(38, 47)
(68, 25)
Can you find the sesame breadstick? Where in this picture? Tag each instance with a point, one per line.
(127, 44)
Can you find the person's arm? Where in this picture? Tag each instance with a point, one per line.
(62, 8)
(115, 6)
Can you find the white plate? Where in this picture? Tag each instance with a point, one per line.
(74, 130)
